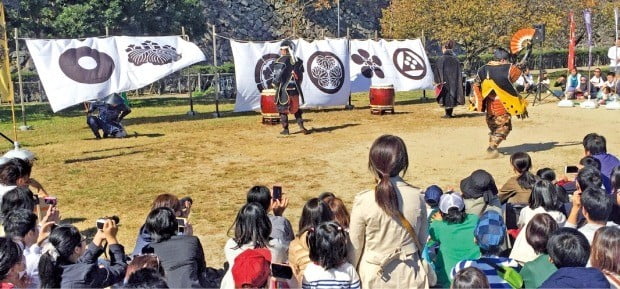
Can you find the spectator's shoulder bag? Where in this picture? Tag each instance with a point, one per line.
(430, 272)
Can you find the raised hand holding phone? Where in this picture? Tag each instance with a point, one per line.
(278, 202)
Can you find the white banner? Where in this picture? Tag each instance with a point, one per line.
(73, 71)
(324, 82)
(403, 64)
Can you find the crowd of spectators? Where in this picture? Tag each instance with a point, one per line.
(535, 231)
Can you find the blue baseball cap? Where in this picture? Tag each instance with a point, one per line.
(490, 230)
(432, 195)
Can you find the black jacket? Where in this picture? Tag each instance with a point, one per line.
(183, 260)
(86, 273)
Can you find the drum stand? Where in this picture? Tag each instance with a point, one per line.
(270, 118)
(381, 109)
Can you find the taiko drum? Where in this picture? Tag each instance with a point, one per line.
(381, 98)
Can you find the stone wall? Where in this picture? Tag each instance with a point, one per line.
(266, 20)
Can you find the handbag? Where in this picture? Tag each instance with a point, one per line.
(431, 276)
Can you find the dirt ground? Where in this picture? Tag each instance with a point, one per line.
(217, 160)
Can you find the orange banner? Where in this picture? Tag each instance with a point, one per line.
(571, 43)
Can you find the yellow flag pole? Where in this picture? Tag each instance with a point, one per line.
(6, 64)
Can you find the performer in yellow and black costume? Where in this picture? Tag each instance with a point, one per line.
(288, 70)
(495, 95)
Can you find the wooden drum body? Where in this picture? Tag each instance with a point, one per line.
(268, 108)
(381, 99)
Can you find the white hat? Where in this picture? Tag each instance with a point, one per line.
(20, 154)
(449, 201)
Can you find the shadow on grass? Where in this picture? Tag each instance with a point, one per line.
(96, 158)
(183, 117)
(414, 101)
(89, 233)
(111, 149)
(72, 220)
(534, 147)
(469, 115)
(43, 110)
(332, 128)
(40, 111)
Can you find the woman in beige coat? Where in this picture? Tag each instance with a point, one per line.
(382, 249)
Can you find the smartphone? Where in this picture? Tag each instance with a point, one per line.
(52, 201)
(277, 192)
(281, 271)
(181, 224)
(571, 169)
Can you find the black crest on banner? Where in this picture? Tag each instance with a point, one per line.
(152, 52)
(71, 67)
(371, 65)
(326, 71)
(409, 63)
(263, 71)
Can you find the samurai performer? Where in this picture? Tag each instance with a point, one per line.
(495, 95)
(449, 80)
(111, 111)
(288, 70)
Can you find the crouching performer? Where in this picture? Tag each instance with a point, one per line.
(111, 111)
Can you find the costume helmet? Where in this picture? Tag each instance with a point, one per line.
(287, 44)
(114, 99)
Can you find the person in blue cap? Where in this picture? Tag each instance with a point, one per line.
(489, 235)
(111, 111)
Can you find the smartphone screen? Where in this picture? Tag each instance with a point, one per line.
(281, 271)
(277, 192)
(50, 201)
(181, 223)
(571, 169)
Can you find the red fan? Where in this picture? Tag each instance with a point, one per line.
(521, 39)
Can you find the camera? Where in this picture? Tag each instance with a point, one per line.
(101, 221)
(181, 224)
(52, 201)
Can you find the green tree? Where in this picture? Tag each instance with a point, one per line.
(478, 25)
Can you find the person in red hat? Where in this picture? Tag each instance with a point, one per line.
(252, 268)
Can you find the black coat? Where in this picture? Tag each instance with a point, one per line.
(86, 273)
(183, 260)
(448, 70)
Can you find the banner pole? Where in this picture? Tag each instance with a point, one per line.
(191, 111)
(350, 105)
(216, 76)
(21, 85)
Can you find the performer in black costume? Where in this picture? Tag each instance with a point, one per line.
(449, 76)
(111, 111)
(288, 70)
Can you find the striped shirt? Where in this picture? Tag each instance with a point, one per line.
(344, 276)
(494, 279)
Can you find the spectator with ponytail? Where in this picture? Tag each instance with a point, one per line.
(382, 248)
(517, 189)
(67, 262)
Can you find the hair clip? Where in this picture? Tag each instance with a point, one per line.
(339, 228)
(311, 229)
